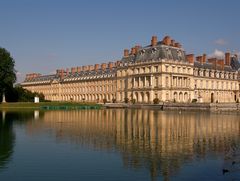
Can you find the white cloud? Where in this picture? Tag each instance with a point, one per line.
(217, 54)
(220, 42)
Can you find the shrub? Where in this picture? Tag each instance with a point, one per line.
(133, 101)
(104, 100)
(19, 94)
(156, 101)
(194, 100)
(126, 100)
(114, 100)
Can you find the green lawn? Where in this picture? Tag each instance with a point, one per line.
(49, 105)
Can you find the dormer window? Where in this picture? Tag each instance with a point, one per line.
(169, 53)
(154, 50)
(179, 53)
(142, 52)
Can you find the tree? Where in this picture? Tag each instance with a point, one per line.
(7, 71)
(126, 100)
(20, 94)
(156, 101)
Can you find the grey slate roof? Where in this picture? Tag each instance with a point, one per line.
(100, 72)
(154, 53)
(83, 74)
(235, 65)
(42, 78)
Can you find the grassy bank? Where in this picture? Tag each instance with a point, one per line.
(49, 105)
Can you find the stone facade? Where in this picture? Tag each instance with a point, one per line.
(160, 70)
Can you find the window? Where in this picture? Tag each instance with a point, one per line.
(156, 81)
(167, 83)
(179, 69)
(142, 52)
(179, 54)
(184, 70)
(149, 69)
(166, 68)
(154, 50)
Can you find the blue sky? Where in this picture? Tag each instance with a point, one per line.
(44, 35)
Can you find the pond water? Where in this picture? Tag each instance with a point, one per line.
(118, 144)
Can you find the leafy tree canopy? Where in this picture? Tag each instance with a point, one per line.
(7, 71)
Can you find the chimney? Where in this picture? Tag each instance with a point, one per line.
(103, 66)
(79, 69)
(227, 59)
(178, 45)
(96, 67)
(91, 67)
(173, 43)
(167, 40)
(190, 58)
(204, 58)
(126, 52)
(198, 58)
(85, 68)
(73, 70)
(62, 74)
(137, 48)
(133, 51)
(221, 63)
(154, 41)
(213, 61)
(114, 64)
(88, 67)
(27, 77)
(58, 71)
(110, 65)
(118, 63)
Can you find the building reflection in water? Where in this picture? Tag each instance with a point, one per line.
(159, 141)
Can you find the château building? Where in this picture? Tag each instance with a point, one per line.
(160, 70)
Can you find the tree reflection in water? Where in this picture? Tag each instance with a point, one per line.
(161, 142)
(7, 135)
(7, 138)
